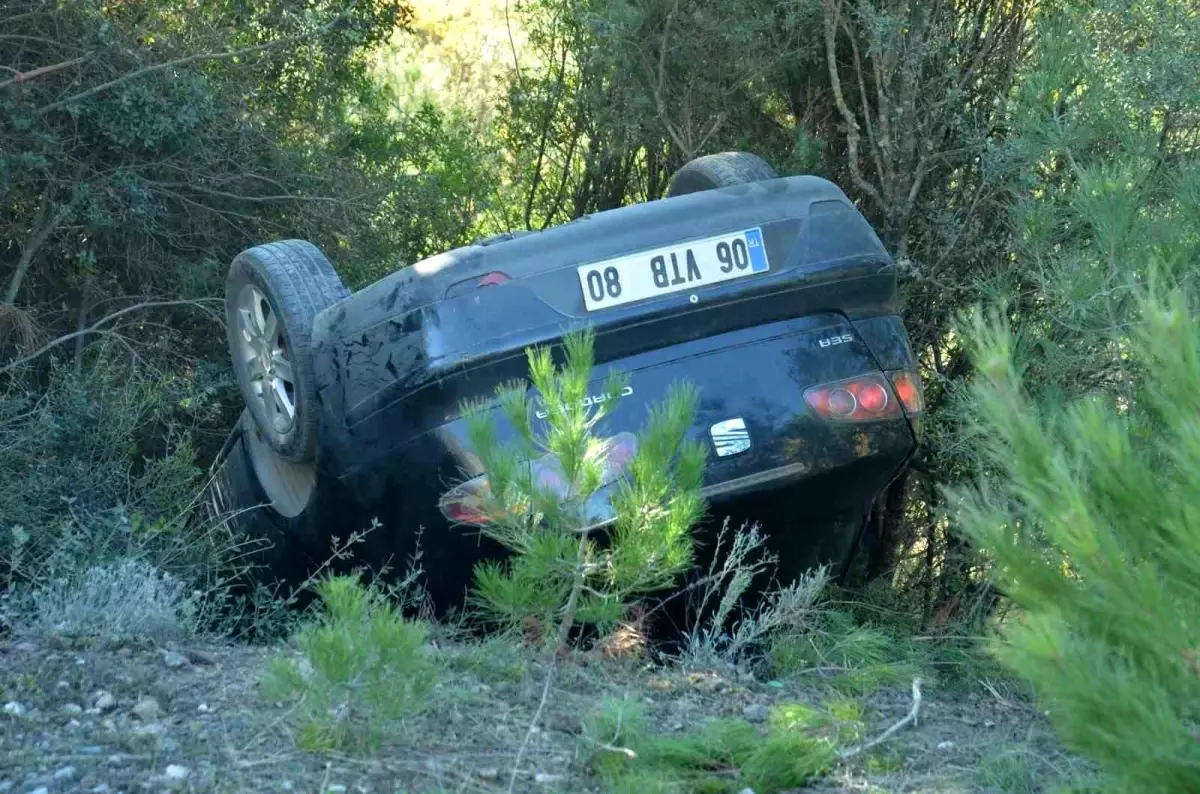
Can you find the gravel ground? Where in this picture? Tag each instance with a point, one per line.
(192, 719)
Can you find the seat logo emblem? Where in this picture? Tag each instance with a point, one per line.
(730, 437)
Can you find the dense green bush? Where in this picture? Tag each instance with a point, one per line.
(1082, 418)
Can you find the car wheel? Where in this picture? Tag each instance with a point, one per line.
(237, 495)
(272, 294)
(719, 170)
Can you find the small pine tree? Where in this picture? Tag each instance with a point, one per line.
(361, 665)
(1085, 412)
(564, 570)
(1093, 520)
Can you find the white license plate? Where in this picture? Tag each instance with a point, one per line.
(677, 268)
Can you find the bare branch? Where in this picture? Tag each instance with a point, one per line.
(254, 199)
(911, 717)
(98, 327)
(511, 43)
(833, 12)
(24, 77)
(200, 56)
(43, 226)
(877, 151)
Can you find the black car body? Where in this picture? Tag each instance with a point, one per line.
(808, 393)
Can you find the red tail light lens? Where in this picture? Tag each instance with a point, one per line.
(862, 399)
(873, 398)
(492, 279)
(467, 503)
(909, 390)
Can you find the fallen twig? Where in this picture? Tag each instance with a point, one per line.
(610, 748)
(537, 715)
(911, 717)
(25, 77)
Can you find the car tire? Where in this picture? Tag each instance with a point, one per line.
(714, 171)
(237, 497)
(272, 294)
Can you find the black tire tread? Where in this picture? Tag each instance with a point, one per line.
(238, 497)
(724, 169)
(300, 282)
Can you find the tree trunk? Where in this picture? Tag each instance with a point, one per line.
(889, 521)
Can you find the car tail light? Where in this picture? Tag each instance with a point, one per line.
(909, 390)
(491, 279)
(862, 399)
(869, 397)
(469, 502)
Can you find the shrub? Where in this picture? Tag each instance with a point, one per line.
(550, 513)
(1092, 520)
(129, 600)
(84, 486)
(723, 630)
(361, 664)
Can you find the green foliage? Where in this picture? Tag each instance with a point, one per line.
(798, 748)
(361, 664)
(856, 659)
(1082, 415)
(1092, 527)
(549, 514)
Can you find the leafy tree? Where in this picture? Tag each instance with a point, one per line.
(549, 491)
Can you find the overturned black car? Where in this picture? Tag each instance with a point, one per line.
(771, 295)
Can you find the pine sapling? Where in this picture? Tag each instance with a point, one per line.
(593, 521)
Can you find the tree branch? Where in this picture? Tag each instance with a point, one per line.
(97, 327)
(911, 717)
(200, 56)
(872, 139)
(833, 12)
(24, 77)
(43, 227)
(545, 136)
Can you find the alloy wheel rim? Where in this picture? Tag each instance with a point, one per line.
(264, 358)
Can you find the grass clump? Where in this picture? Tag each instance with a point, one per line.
(361, 664)
(855, 659)
(721, 756)
(1007, 773)
(721, 628)
(495, 660)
